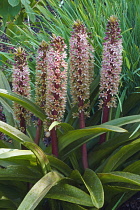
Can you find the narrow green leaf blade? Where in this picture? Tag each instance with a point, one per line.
(69, 193)
(117, 176)
(26, 103)
(74, 139)
(19, 173)
(120, 156)
(14, 133)
(27, 142)
(38, 191)
(94, 187)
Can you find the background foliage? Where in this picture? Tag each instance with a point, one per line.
(114, 165)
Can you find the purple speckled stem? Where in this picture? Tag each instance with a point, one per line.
(105, 118)
(23, 127)
(84, 148)
(54, 142)
(38, 131)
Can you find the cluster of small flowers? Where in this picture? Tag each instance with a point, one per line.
(56, 80)
(81, 59)
(41, 74)
(111, 64)
(21, 83)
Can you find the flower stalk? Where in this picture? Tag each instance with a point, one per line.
(56, 86)
(111, 69)
(80, 76)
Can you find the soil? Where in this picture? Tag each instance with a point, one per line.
(132, 204)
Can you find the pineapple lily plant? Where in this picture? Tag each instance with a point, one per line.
(61, 176)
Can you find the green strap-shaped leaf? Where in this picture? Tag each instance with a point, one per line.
(117, 176)
(42, 158)
(15, 154)
(71, 206)
(104, 150)
(5, 203)
(14, 133)
(74, 139)
(26, 103)
(27, 142)
(93, 185)
(66, 127)
(38, 191)
(69, 193)
(124, 120)
(122, 155)
(19, 173)
(133, 168)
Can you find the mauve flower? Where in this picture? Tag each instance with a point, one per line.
(81, 67)
(111, 64)
(21, 83)
(41, 74)
(56, 80)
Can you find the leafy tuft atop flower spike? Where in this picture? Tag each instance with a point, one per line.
(81, 69)
(111, 64)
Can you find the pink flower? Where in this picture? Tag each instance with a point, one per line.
(81, 67)
(21, 82)
(56, 80)
(41, 74)
(111, 64)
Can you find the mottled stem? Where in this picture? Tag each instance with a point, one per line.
(84, 148)
(38, 131)
(23, 128)
(54, 142)
(105, 118)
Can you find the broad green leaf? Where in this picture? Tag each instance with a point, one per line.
(120, 156)
(74, 139)
(117, 176)
(124, 120)
(66, 127)
(59, 165)
(104, 150)
(26, 103)
(27, 142)
(8, 190)
(19, 173)
(14, 3)
(6, 203)
(93, 185)
(71, 206)
(6, 105)
(133, 168)
(38, 191)
(42, 158)
(14, 154)
(14, 133)
(69, 193)
(124, 187)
